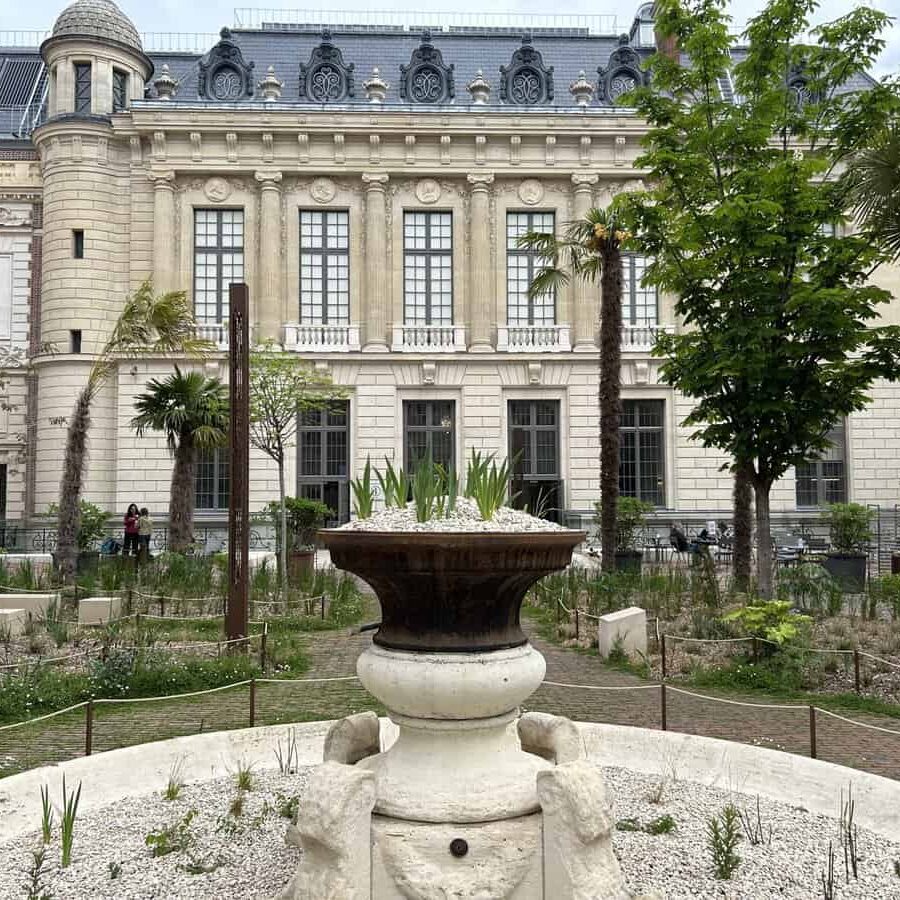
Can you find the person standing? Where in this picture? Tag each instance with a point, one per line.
(131, 530)
(145, 534)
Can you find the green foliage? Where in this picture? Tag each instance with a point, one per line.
(770, 620)
(782, 338)
(93, 524)
(172, 838)
(243, 777)
(35, 889)
(850, 526)
(394, 485)
(68, 812)
(115, 869)
(363, 492)
(810, 588)
(304, 518)
(287, 806)
(46, 815)
(286, 754)
(631, 517)
(630, 824)
(427, 489)
(236, 807)
(662, 825)
(175, 782)
(886, 590)
(723, 834)
(488, 484)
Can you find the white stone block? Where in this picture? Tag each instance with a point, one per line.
(97, 610)
(628, 625)
(34, 604)
(12, 622)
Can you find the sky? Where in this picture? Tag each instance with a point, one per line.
(211, 15)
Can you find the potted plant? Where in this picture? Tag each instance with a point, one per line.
(631, 516)
(304, 519)
(90, 533)
(850, 528)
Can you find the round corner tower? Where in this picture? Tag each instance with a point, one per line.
(96, 67)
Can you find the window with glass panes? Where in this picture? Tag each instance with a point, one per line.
(427, 268)
(218, 260)
(120, 90)
(641, 453)
(521, 267)
(82, 87)
(823, 480)
(212, 479)
(534, 438)
(324, 267)
(428, 429)
(323, 464)
(639, 303)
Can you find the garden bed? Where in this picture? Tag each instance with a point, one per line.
(243, 854)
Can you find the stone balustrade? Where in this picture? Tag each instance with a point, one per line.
(530, 338)
(321, 338)
(641, 338)
(428, 338)
(214, 332)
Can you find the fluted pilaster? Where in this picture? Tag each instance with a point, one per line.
(271, 292)
(481, 294)
(584, 293)
(165, 264)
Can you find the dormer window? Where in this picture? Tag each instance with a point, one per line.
(83, 88)
(120, 90)
(645, 31)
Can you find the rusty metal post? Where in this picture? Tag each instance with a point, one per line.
(755, 650)
(577, 625)
(262, 647)
(856, 680)
(662, 650)
(162, 606)
(89, 728)
(323, 606)
(664, 723)
(252, 702)
(237, 612)
(812, 733)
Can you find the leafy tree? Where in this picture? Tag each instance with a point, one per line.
(192, 410)
(780, 340)
(591, 249)
(282, 386)
(147, 326)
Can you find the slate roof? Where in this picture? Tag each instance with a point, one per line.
(567, 51)
(97, 18)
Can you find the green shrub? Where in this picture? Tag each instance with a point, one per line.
(771, 620)
(810, 588)
(662, 825)
(172, 838)
(631, 517)
(886, 590)
(723, 834)
(93, 524)
(850, 527)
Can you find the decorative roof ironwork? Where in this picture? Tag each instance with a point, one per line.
(223, 73)
(426, 79)
(326, 78)
(623, 73)
(798, 85)
(526, 81)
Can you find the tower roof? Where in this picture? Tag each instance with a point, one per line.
(97, 19)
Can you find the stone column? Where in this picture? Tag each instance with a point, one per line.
(165, 264)
(482, 302)
(374, 311)
(269, 304)
(585, 294)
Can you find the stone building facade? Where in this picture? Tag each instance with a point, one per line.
(368, 185)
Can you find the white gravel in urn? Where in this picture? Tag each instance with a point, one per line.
(253, 861)
(465, 517)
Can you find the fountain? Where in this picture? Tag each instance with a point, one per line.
(470, 800)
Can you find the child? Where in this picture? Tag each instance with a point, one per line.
(145, 532)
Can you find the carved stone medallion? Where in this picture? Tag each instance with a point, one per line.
(428, 191)
(323, 190)
(217, 190)
(531, 191)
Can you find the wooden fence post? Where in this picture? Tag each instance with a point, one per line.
(89, 728)
(252, 702)
(262, 647)
(662, 650)
(577, 625)
(662, 707)
(856, 680)
(755, 649)
(812, 733)
(323, 606)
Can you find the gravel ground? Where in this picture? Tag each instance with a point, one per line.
(465, 517)
(249, 858)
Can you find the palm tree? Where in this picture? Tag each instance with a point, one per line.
(148, 325)
(192, 410)
(872, 182)
(591, 248)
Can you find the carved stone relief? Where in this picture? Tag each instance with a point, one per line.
(323, 190)
(428, 191)
(217, 190)
(531, 191)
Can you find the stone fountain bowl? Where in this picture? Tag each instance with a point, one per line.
(450, 592)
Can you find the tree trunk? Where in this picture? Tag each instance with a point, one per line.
(181, 500)
(743, 526)
(283, 536)
(763, 539)
(610, 401)
(70, 487)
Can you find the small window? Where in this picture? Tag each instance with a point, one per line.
(823, 479)
(120, 90)
(83, 88)
(78, 243)
(75, 340)
(212, 481)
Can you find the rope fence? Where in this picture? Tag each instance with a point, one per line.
(102, 724)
